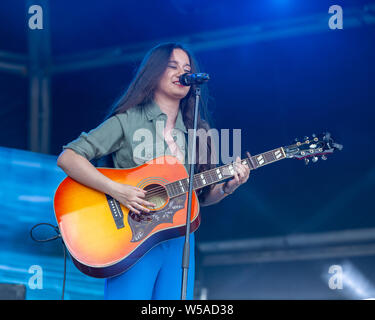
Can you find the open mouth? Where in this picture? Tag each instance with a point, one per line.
(177, 83)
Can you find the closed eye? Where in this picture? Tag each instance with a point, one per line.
(174, 67)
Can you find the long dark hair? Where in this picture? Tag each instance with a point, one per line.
(141, 92)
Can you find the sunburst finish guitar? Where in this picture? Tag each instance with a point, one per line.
(104, 238)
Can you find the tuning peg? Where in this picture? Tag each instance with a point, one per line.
(307, 161)
(337, 146)
(306, 138)
(323, 157)
(298, 143)
(314, 159)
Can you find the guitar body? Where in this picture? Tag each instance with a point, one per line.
(101, 244)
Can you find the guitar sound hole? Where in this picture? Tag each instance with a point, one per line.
(156, 194)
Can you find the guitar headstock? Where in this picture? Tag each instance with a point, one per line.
(314, 147)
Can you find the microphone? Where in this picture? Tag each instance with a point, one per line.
(187, 79)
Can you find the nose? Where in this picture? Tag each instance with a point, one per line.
(179, 73)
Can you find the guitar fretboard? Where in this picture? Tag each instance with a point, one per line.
(218, 174)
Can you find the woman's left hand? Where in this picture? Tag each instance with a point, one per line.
(241, 174)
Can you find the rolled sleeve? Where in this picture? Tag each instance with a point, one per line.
(104, 139)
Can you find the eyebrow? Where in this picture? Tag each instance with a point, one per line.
(186, 64)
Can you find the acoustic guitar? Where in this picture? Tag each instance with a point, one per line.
(105, 239)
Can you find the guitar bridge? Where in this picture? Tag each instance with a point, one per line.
(116, 211)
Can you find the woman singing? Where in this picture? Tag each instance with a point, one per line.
(154, 94)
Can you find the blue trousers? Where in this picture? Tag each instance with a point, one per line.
(156, 276)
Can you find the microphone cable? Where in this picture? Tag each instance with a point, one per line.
(58, 235)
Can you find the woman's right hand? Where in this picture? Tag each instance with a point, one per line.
(131, 197)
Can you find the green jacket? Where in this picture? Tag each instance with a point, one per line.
(132, 137)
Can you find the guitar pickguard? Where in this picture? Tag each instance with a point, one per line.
(141, 225)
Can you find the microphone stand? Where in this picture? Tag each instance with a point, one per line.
(186, 252)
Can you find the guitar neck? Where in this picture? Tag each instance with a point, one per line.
(218, 174)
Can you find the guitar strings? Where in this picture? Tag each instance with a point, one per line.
(160, 189)
(209, 173)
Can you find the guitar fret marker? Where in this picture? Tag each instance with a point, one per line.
(260, 159)
(277, 154)
(231, 170)
(203, 180)
(219, 173)
(182, 187)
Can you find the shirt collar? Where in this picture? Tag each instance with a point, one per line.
(153, 111)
